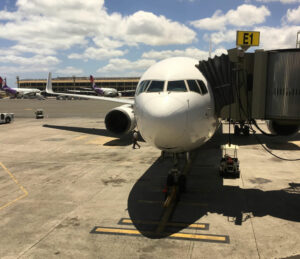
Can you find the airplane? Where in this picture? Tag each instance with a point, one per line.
(110, 92)
(102, 91)
(173, 107)
(18, 92)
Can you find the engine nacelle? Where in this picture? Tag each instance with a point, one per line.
(282, 128)
(120, 120)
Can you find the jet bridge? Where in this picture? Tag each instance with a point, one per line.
(261, 85)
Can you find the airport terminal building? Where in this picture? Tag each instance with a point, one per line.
(64, 84)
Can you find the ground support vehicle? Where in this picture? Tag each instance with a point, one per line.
(6, 117)
(229, 164)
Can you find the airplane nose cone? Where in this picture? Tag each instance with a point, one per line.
(164, 121)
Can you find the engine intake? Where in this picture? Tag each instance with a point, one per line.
(120, 120)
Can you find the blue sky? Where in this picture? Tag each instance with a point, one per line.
(123, 38)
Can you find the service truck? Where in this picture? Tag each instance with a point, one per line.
(6, 117)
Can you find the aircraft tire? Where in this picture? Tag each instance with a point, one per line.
(237, 130)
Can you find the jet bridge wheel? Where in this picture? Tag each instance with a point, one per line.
(246, 130)
(237, 130)
(7, 120)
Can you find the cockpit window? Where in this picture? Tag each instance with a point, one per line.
(156, 86)
(193, 86)
(202, 87)
(142, 87)
(176, 86)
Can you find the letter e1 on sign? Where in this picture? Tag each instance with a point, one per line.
(247, 38)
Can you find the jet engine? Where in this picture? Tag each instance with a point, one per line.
(282, 128)
(120, 120)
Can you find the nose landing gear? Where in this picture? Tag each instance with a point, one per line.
(175, 185)
(176, 180)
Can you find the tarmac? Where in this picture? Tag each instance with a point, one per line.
(70, 189)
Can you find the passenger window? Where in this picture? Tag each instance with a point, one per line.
(142, 87)
(202, 87)
(156, 86)
(193, 86)
(176, 86)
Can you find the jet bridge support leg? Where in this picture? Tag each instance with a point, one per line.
(241, 127)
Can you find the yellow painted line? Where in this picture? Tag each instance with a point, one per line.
(100, 140)
(200, 237)
(80, 137)
(17, 183)
(28, 109)
(175, 224)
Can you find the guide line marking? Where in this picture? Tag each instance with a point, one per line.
(182, 236)
(202, 226)
(17, 183)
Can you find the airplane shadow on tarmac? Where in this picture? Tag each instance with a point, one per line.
(276, 143)
(206, 194)
(124, 140)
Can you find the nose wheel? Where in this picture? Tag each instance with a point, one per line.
(176, 180)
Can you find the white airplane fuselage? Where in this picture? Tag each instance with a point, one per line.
(26, 91)
(110, 92)
(173, 107)
(175, 121)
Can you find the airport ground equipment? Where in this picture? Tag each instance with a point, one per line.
(229, 165)
(263, 85)
(39, 114)
(6, 117)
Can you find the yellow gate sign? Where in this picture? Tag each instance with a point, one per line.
(247, 38)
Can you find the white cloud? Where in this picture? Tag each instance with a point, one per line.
(35, 61)
(221, 37)
(69, 71)
(244, 16)
(107, 43)
(292, 16)
(281, 1)
(97, 54)
(189, 52)
(59, 25)
(122, 65)
(216, 22)
(145, 27)
(278, 38)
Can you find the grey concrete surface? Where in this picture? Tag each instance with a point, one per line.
(62, 176)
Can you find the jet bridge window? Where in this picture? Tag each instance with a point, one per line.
(193, 86)
(156, 86)
(176, 86)
(202, 87)
(142, 87)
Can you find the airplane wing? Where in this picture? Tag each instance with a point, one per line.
(49, 90)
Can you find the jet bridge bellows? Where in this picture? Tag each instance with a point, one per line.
(217, 72)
